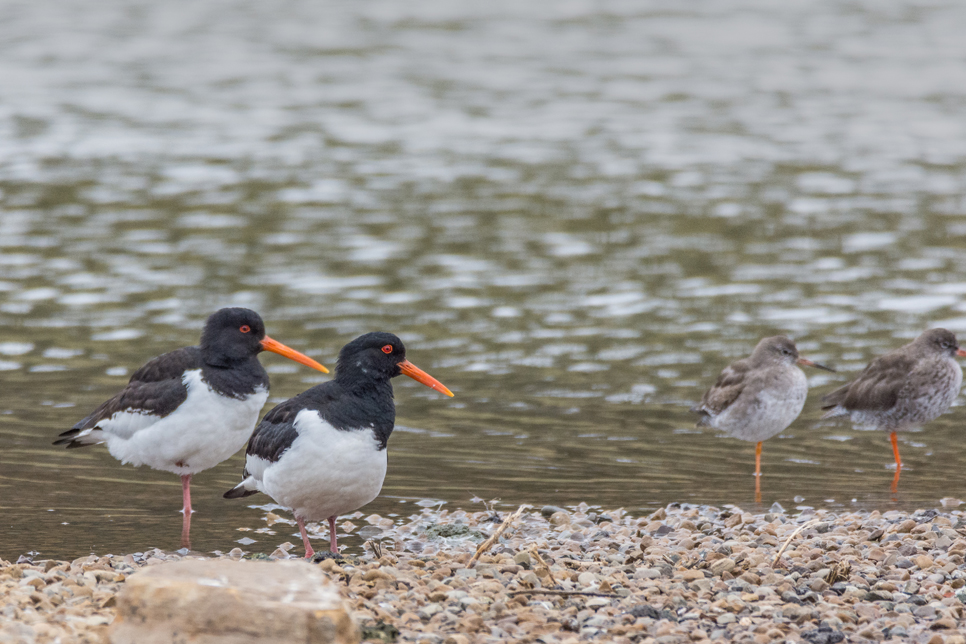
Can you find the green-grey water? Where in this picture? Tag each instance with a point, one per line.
(574, 214)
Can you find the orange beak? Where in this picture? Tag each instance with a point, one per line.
(419, 375)
(277, 347)
(809, 363)
(961, 353)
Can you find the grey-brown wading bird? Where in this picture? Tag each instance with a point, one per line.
(190, 409)
(323, 452)
(903, 389)
(759, 396)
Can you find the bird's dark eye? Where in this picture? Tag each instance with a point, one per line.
(387, 348)
(244, 328)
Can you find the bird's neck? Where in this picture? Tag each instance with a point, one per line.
(365, 382)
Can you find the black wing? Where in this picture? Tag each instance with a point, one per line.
(156, 388)
(276, 433)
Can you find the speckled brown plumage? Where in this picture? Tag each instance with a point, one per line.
(902, 389)
(759, 396)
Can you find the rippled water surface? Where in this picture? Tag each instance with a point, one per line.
(574, 214)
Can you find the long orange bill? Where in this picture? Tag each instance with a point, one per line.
(419, 375)
(809, 363)
(277, 347)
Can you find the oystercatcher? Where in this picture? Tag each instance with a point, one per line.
(758, 397)
(190, 409)
(902, 389)
(323, 452)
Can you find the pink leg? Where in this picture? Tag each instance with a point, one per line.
(186, 522)
(305, 538)
(333, 543)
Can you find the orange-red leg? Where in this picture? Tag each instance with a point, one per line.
(758, 472)
(895, 451)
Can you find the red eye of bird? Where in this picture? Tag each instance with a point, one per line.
(244, 328)
(387, 348)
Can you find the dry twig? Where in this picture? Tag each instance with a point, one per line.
(486, 545)
(547, 591)
(789, 540)
(540, 561)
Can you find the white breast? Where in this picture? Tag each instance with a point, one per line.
(326, 472)
(759, 415)
(203, 431)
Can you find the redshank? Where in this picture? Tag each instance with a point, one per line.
(190, 409)
(323, 452)
(758, 397)
(903, 389)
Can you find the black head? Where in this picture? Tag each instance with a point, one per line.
(380, 356)
(232, 335)
(375, 355)
(940, 341)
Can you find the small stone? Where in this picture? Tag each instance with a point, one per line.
(549, 510)
(559, 519)
(457, 639)
(692, 575)
(726, 618)
(647, 573)
(587, 579)
(824, 634)
(722, 565)
(523, 559)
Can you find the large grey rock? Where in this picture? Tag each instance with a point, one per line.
(231, 602)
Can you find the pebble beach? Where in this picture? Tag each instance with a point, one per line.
(680, 574)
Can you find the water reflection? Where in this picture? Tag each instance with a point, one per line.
(574, 216)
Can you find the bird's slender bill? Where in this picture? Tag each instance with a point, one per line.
(419, 375)
(275, 346)
(809, 363)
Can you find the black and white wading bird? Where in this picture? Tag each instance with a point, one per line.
(903, 389)
(188, 410)
(757, 397)
(323, 452)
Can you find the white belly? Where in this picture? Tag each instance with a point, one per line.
(326, 472)
(205, 430)
(764, 416)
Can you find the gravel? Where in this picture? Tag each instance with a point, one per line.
(681, 574)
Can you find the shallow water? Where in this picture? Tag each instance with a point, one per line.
(574, 215)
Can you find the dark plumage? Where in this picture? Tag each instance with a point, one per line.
(187, 410)
(323, 452)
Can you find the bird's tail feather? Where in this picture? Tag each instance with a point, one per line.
(243, 489)
(76, 437)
